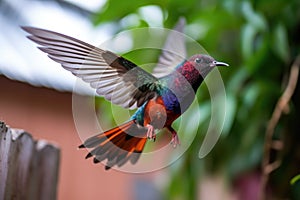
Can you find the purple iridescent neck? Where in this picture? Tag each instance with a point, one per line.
(190, 73)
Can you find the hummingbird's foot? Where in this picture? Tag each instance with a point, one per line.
(150, 132)
(175, 139)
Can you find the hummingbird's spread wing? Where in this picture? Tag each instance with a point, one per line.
(173, 52)
(117, 79)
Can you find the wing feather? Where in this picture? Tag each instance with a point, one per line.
(114, 77)
(173, 52)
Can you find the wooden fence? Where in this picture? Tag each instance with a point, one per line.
(28, 168)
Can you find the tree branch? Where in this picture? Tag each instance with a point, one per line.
(281, 107)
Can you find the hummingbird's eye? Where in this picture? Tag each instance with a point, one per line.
(198, 60)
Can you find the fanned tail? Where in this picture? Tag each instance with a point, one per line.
(118, 145)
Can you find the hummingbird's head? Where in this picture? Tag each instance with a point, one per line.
(204, 63)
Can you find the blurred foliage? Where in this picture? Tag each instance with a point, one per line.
(260, 40)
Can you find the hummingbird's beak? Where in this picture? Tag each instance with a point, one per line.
(221, 64)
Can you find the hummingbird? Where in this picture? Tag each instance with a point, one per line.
(160, 98)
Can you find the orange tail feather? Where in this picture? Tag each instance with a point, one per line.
(118, 145)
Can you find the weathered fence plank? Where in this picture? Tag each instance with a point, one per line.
(28, 168)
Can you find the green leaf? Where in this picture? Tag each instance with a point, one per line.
(295, 179)
(255, 19)
(250, 95)
(280, 42)
(115, 10)
(248, 34)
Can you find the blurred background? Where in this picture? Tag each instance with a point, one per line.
(259, 39)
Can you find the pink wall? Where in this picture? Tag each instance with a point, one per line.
(47, 114)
